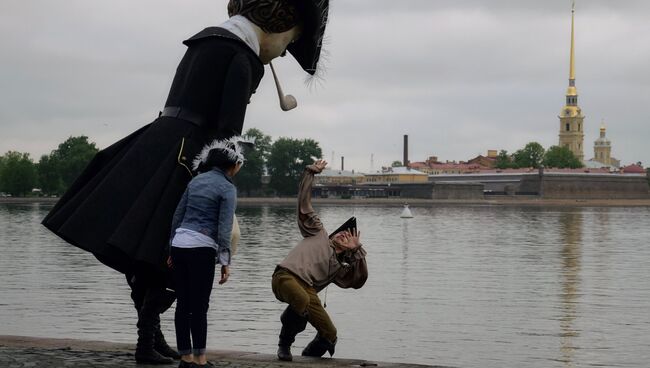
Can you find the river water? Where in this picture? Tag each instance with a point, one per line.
(465, 286)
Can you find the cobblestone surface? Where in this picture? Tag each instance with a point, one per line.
(23, 352)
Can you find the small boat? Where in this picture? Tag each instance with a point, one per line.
(406, 212)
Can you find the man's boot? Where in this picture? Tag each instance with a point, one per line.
(161, 346)
(145, 352)
(164, 300)
(318, 346)
(148, 322)
(292, 324)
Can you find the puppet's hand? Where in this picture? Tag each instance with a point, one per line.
(347, 240)
(320, 164)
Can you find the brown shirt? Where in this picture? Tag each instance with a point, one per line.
(314, 259)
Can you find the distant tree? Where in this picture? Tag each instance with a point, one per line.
(529, 156)
(49, 177)
(17, 174)
(503, 160)
(396, 164)
(250, 176)
(74, 154)
(2, 162)
(561, 157)
(287, 160)
(63, 165)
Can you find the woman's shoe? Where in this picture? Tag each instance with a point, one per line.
(184, 364)
(206, 365)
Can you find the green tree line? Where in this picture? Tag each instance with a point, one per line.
(283, 160)
(534, 155)
(53, 173)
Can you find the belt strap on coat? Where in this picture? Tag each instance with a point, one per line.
(183, 114)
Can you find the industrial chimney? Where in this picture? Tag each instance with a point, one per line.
(342, 163)
(406, 150)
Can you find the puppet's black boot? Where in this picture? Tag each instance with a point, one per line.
(165, 299)
(146, 354)
(148, 324)
(318, 346)
(161, 346)
(292, 324)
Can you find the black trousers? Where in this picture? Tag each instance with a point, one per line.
(193, 276)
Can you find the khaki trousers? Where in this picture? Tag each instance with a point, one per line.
(303, 298)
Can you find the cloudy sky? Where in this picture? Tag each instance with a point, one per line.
(459, 76)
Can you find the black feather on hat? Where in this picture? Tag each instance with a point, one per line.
(350, 225)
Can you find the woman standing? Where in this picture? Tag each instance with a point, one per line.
(201, 232)
(120, 208)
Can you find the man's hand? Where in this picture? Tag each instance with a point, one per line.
(320, 165)
(348, 240)
(225, 273)
(170, 264)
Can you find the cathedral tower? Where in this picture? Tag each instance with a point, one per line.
(603, 148)
(571, 119)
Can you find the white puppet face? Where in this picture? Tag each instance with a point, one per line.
(273, 45)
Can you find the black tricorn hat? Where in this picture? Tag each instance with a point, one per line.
(350, 225)
(306, 50)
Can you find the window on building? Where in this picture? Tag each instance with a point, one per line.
(578, 126)
(568, 127)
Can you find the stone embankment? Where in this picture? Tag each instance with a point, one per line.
(19, 352)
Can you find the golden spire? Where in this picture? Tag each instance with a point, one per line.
(572, 70)
(572, 91)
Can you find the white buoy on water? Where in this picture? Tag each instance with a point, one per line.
(406, 212)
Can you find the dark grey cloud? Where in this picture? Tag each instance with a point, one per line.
(459, 77)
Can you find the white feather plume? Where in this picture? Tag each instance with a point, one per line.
(226, 145)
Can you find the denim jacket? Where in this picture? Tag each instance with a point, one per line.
(208, 206)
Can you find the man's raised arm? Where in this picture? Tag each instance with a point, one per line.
(308, 221)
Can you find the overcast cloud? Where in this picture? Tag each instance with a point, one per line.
(460, 77)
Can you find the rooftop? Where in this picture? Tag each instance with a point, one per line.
(398, 170)
(339, 173)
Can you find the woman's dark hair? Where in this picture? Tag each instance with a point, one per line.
(218, 158)
(272, 16)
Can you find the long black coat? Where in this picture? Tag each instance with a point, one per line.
(120, 208)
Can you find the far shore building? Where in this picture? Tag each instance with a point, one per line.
(489, 161)
(475, 165)
(633, 169)
(396, 175)
(338, 177)
(603, 151)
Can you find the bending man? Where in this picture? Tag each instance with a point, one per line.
(312, 265)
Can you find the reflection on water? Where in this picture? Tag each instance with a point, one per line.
(463, 286)
(571, 231)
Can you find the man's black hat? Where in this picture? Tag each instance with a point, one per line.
(350, 225)
(306, 50)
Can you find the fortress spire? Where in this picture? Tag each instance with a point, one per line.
(572, 68)
(571, 118)
(572, 92)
